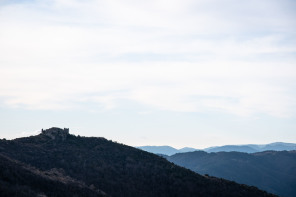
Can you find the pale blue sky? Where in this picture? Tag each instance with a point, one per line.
(180, 73)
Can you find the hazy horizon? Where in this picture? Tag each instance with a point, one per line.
(178, 73)
(28, 134)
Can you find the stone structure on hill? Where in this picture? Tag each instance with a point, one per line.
(55, 133)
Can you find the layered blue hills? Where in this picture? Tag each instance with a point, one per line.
(249, 148)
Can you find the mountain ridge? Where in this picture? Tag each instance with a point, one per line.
(248, 148)
(116, 169)
(273, 171)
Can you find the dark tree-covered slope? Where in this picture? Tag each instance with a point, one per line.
(18, 179)
(116, 169)
(271, 171)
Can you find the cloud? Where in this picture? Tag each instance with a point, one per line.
(193, 56)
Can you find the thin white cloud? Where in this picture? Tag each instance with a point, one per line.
(233, 57)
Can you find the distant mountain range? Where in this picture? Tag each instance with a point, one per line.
(272, 171)
(56, 163)
(250, 148)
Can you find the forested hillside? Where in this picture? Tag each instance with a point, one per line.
(116, 169)
(271, 170)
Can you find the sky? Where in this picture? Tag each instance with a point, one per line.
(182, 73)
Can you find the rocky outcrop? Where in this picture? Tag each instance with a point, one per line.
(55, 133)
